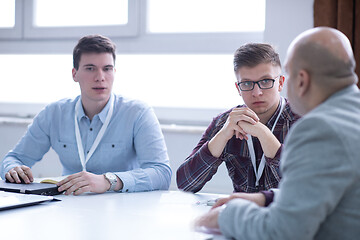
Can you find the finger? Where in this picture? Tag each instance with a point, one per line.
(24, 176)
(243, 136)
(9, 178)
(82, 190)
(63, 181)
(21, 174)
(15, 176)
(28, 172)
(74, 187)
(69, 178)
(251, 113)
(247, 119)
(239, 132)
(236, 119)
(246, 114)
(220, 202)
(65, 184)
(77, 189)
(239, 135)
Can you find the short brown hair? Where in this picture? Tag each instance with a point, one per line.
(253, 54)
(93, 44)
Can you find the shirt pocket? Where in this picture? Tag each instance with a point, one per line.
(68, 154)
(115, 150)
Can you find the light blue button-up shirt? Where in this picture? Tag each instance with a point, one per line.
(132, 147)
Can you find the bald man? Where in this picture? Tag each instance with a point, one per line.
(319, 194)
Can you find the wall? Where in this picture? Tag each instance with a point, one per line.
(285, 19)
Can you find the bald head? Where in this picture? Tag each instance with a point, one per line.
(326, 54)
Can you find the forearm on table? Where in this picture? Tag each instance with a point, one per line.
(197, 170)
(145, 179)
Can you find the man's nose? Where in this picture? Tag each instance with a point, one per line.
(257, 90)
(100, 75)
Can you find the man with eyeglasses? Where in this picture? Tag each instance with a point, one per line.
(249, 137)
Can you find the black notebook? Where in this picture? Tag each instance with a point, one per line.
(31, 188)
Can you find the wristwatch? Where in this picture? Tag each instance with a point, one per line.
(112, 178)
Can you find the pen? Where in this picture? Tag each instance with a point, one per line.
(210, 202)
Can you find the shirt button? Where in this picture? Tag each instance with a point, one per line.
(87, 152)
(113, 145)
(127, 190)
(90, 129)
(64, 145)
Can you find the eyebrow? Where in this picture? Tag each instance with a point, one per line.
(93, 65)
(89, 65)
(267, 76)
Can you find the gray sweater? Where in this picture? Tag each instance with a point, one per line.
(319, 195)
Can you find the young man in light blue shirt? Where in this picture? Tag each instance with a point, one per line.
(105, 142)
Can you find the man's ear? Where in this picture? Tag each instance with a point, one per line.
(281, 83)
(74, 74)
(303, 82)
(237, 87)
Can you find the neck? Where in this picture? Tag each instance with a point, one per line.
(91, 108)
(264, 117)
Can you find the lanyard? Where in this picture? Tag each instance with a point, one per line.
(260, 170)
(98, 137)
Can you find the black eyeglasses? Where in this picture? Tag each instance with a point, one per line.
(263, 84)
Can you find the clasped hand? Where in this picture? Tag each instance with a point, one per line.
(241, 122)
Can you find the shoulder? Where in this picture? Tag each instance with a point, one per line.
(65, 102)
(125, 103)
(62, 106)
(129, 106)
(322, 140)
(311, 121)
(313, 133)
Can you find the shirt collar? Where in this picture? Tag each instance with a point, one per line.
(102, 115)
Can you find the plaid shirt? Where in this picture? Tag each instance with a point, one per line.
(200, 166)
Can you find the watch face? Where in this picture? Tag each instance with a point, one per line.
(111, 177)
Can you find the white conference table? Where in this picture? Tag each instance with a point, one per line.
(145, 215)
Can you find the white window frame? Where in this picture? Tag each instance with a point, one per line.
(33, 32)
(34, 41)
(16, 31)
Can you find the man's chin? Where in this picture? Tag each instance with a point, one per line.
(101, 98)
(260, 110)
